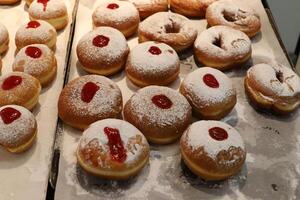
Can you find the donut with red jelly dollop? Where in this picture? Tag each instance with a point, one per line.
(213, 150)
(112, 149)
(89, 98)
(210, 92)
(160, 113)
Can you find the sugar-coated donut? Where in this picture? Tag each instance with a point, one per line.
(53, 11)
(4, 39)
(121, 15)
(273, 87)
(88, 99)
(20, 89)
(212, 150)
(38, 61)
(113, 149)
(210, 92)
(170, 28)
(18, 128)
(147, 8)
(160, 113)
(190, 8)
(222, 47)
(8, 2)
(229, 13)
(36, 32)
(152, 63)
(103, 51)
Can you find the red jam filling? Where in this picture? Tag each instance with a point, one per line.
(9, 115)
(33, 52)
(100, 41)
(11, 82)
(115, 143)
(218, 133)
(210, 81)
(112, 6)
(162, 101)
(33, 24)
(88, 91)
(154, 50)
(44, 2)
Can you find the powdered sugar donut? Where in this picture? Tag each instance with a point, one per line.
(18, 128)
(103, 51)
(190, 8)
(160, 113)
(8, 2)
(213, 150)
(152, 63)
(4, 39)
(113, 149)
(222, 47)
(36, 32)
(53, 11)
(121, 15)
(273, 87)
(210, 92)
(38, 61)
(20, 89)
(89, 98)
(147, 8)
(230, 13)
(170, 28)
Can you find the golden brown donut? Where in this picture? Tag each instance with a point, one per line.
(121, 15)
(18, 128)
(4, 39)
(190, 8)
(38, 61)
(160, 113)
(53, 11)
(222, 47)
(88, 99)
(36, 32)
(170, 28)
(147, 8)
(103, 51)
(20, 89)
(273, 87)
(8, 2)
(210, 92)
(152, 63)
(212, 150)
(112, 149)
(230, 13)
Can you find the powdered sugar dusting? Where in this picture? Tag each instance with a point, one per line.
(54, 9)
(3, 34)
(201, 93)
(198, 136)
(13, 133)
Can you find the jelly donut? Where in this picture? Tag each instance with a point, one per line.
(170, 28)
(121, 15)
(228, 13)
(210, 92)
(147, 8)
(112, 149)
(20, 89)
(53, 11)
(152, 63)
(36, 32)
(190, 8)
(18, 128)
(9, 2)
(222, 47)
(273, 87)
(212, 150)
(160, 113)
(38, 61)
(88, 99)
(4, 39)
(103, 51)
